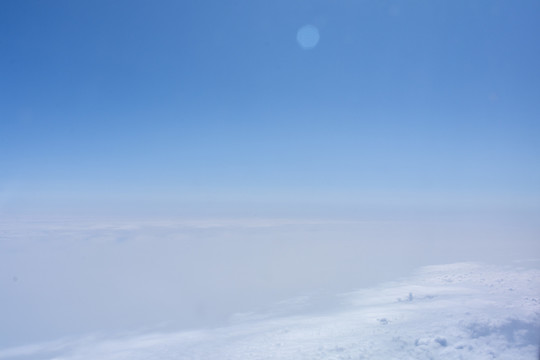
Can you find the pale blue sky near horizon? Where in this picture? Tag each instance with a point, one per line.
(108, 103)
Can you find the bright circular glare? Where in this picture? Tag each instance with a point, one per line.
(307, 36)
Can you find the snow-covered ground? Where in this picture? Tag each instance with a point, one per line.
(455, 311)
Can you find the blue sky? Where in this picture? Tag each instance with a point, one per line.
(134, 102)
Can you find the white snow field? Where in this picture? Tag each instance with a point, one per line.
(456, 311)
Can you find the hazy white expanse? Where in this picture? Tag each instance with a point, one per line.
(458, 311)
(254, 288)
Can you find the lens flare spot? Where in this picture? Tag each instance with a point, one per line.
(307, 36)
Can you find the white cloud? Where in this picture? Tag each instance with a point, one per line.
(458, 311)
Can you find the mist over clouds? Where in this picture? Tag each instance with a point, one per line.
(446, 311)
(70, 277)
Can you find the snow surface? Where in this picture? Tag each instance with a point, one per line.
(456, 311)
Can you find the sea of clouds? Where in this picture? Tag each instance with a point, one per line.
(261, 289)
(456, 311)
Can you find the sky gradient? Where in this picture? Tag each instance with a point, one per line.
(107, 104)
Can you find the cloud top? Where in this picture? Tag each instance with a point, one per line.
(456, 311)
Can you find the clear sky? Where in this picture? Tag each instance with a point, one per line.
(117, 103)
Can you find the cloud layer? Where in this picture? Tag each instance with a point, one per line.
(458, 311)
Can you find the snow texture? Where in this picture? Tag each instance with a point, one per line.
(457, 311)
